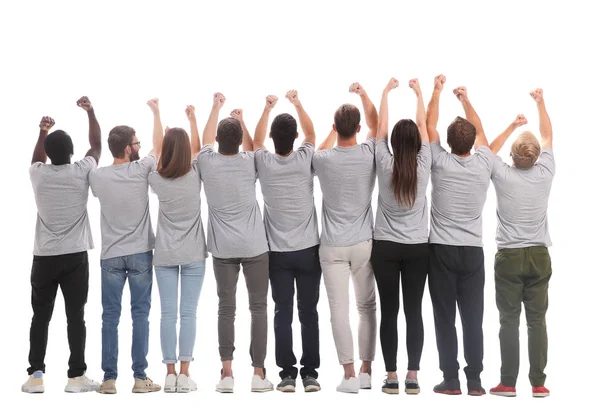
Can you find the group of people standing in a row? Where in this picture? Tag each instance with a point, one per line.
(398, 247)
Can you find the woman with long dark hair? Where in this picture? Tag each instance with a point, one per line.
(180, 249)
(400, 240)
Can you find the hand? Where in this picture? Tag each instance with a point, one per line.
(237, 114)
(46, 123)
(392, 84)
(153, 103)
(190, 112)
(414, 85)
(167, 129)
(519, 121)
(84, 102)
(271, 101)
(357, 88)
(461, 93)
(292, 96)
(537, 95)
(438, 82)
(218, 100)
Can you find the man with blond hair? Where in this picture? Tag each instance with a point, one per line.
(523, 266)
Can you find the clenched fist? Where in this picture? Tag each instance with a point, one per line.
(270, 103)
(438, 82)
(218, 100)
(84, 103)
(537, 95)
(392, 84)
(237, 114)
(292, 96)
(153, 103)
(190, 112)
(461, 93)
(46, 123)
(414, 85)
(519, 121)
(357, 88)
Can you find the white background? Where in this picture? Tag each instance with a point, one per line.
(122, 54)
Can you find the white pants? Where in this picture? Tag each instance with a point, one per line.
(339, 264)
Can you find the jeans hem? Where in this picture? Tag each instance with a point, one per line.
(258, 366)
(186, 358)
(173, 361)
(347, 361)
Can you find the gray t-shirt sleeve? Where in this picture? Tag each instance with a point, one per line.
(546, 160)
(382, 152)
(486, 157)
(369, 144)
(498, 166)
(436, 150)
(86, 165)
(148, 164)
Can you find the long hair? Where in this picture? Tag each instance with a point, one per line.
(176, 154)
(406, 143)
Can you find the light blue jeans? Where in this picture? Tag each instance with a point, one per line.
(167, 278)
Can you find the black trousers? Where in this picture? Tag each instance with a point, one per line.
(71, 273)
(303, 268)
(457, 275)
(394, 263)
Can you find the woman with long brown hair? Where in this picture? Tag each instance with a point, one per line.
(180, 249)
(400, 240)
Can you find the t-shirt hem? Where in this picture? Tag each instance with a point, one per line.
(171, 263)
(227, 256)
(522, 245)
(402, 240)
(346, 244)
(295, 249)
(38, 253)
(110, 256)
(456, 244)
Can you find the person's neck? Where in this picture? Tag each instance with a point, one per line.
(229, 154)
(346, 142)
(285, 155)
(466, 155)
(120, 161)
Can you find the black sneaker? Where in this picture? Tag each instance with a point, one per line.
(474, 387)
(451, 386)
(310, 384)
(390, 386)
(287, 385)
(411, 386)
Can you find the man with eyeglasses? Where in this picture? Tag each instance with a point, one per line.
(127, 244)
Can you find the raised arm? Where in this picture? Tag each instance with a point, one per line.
(471, 115)
(421, 122)
(545, 125)
(157, 129)
(246, 138)
(382, 128)
(94, 129)
(433, 109)
(368, 107)
(39, 153)
(190, 112)
(308, 129)
(500, 140)
(329, 141)
(260, 133)
(210, 130)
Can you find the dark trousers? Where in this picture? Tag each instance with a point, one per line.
(457, 275)
(71, 273)
(304, 268)
(395, 263)
(522, 276)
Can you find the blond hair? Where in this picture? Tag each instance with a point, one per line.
(525, 150)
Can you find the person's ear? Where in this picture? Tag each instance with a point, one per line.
(270, 135)
(334, 128)
(297, 134)
(358, 129)
(217, 138)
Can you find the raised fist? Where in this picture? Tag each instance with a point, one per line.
(537, 95)
(190, 112)
(461, 93)
(271, 100)
(46, 123)
(357, 88)
(392, 84)
(519, 121)
(218, 100)
(153, 103)
(84, 103)
(414, 85)
(292, 96)
(438, 82)
(237, 114)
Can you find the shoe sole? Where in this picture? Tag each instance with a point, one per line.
(170, 389)
(33, 390)
(449, 392)
(412, 391)
(476, 393)
(391, 391)
(72, 389)
(541, 394)
(143, 391)
(261, 390)
(185, 390)
(347, 391)
(312, 389)
(107, 391)
(224, 390)
(504, 393)
(287, 389)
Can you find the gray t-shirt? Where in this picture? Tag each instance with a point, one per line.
(287, 186)
(395, 222)
(124, 207)
(458, 192)
(179, 232)
(522, 202)
(235, 228)
(61, 195)
(347, 178)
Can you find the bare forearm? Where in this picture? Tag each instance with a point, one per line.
(157, 135)
(39, 153)
(246, 138)
(370, 114)
(473, 118)
(421, 120)
(329, 141)
(195, 138)
(545, 126)
(260, 133)
(210, 130)
(95, 135)
(382, 128)
(432, 116)
(501, 139)
(308, 129)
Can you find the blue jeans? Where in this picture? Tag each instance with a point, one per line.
(137, 268)
(192, 276)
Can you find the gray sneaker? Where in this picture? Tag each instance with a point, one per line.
(310, 384)
(287, 385)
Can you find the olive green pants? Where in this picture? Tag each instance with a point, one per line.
(522, 276)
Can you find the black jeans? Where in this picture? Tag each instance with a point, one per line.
(394, 263)
(457, 275)
(71, 273)
(304, 268)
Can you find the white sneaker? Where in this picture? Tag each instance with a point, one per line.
(225, 385)
(261, 385)
(365, 380)
(185, 384)
(81, 384)
(351, 385)
(171, 383)
(35, 383)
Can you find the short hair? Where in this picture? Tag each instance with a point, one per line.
(59, 147)
(284, 131)
(461, 136)
(347, 120)
(176, 154)
(229, 135)
(525, 150)
(118, 139)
